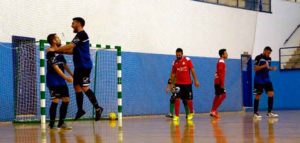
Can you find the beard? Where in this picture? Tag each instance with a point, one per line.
(75, 30)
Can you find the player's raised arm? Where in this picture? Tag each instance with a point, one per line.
(66, 49)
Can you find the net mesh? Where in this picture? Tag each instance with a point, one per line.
(103, 83)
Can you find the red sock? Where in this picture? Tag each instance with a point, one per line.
(177, 106)
(220, 100)
(214, 106)
(191, 106)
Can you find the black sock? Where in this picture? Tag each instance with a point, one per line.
(63, 112)
(256, 102)
(79, 100)
(90, 94)
(52, 112)
(270, 103)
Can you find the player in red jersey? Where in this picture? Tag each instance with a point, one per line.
(182, 67)
(220, 92)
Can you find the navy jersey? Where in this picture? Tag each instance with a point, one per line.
(262, 76)
(52, 77)
(81, 52)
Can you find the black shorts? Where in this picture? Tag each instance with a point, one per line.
(259, 88)
(82, 77)
(185, 91)
(59, 91)
(219, 90)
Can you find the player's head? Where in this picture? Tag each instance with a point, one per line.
(179, 53)
(267, 51)
(78, 23)
(53, 39)
(223, 53)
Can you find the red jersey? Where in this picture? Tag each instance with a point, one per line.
(220, 73)
(181, 69)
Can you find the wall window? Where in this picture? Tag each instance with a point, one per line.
(256, 5)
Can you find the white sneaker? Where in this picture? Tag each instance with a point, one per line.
(256, 116)
(272, 115)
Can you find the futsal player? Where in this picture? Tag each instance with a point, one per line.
(80, 47)
(56, 82)
(219, 83)
(262, 82)
(182, 67)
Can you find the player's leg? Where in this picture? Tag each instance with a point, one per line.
(186, 107)
(63, 107)
(53, 106)
(177, 102)
(79, 94)
(177, 109)
(213, 112)
(89, 93)
(188, 92)
(270, 92)
(258, 91)
(221, 98)
(172, 102)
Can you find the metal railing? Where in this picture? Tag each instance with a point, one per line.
(289, 58)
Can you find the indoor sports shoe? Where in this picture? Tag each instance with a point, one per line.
(256, 116)
(64, 126)
(170, 115)
(190, 116)
(79, 114)
(98, 113)
(214, 115)
(272, 115)
(175, 118)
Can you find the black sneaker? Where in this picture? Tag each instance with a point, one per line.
(64, 126)
(51, 125)
(79, 114)
(98, 113)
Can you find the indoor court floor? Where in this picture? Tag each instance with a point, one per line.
(234, 127)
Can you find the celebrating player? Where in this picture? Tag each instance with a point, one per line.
(182, 67)
(80, 47)
(56, 65)
(262, 81)
(220, 92)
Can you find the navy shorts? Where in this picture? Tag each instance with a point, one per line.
(259, 88)
(185, 91)
(59, 91)
(82, 77)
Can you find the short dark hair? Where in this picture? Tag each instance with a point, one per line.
(179, 50)
(50, 38)
(80, 20)
(268, 48)
(221, 52)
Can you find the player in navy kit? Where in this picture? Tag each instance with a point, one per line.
(262, 81)
(80, 48)
(56, 82)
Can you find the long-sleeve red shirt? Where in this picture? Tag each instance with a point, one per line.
(220, 73)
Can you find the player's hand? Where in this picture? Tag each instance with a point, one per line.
(69, 79)
(273, 68)
(197, 84)
(266, 65)
(169, 88)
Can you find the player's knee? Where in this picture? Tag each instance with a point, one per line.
(270, 93)
(85, 88)
(77, 88)
(55, 100)
(65, 99)
(257, 96)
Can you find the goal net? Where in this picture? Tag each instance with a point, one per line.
(32, 97)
